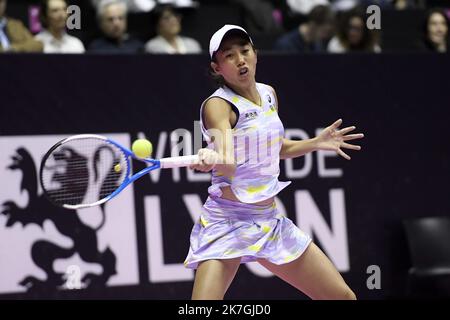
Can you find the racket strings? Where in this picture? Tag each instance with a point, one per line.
(83, 171)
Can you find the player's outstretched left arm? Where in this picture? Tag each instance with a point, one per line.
(329, 139)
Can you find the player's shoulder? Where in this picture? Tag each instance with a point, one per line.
(217, 103)
(267, 87)
(270, 93)
(221, 92)
(219, 99)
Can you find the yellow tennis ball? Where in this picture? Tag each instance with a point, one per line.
(117, 167)
(142, 148)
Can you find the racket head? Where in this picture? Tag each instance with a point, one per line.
(83, 171)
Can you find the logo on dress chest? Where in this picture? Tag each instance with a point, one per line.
(251, 115)
(271, 105)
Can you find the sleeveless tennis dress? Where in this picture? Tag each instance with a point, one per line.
(228, 229)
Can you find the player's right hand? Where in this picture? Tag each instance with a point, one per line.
(207, 160)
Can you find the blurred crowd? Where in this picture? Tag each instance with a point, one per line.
(314, 26)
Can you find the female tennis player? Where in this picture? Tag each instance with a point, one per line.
(239, 221)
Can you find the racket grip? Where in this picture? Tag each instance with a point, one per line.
(176, 162)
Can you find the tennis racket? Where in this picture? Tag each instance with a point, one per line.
(87, 170)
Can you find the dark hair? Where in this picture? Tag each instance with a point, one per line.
(43, 12)
(369, 37)
(218, 80)
(428, 44)
(321, 15)
(159, 10)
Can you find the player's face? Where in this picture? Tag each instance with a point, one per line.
(57, 14)
(437, 28)
(236, 62)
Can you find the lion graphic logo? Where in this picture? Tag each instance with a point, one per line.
(43, 252)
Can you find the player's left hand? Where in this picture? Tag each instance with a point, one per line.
(333, 139)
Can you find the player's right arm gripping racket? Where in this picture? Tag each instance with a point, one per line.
(87, 170)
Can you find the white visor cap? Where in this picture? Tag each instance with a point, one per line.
(217, 37)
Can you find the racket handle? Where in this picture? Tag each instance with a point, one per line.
(175, 162)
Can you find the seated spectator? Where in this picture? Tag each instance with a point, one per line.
(112, 18)
(259, 16)
(14, 37)
(353, 35)
(435, 32)
(311, 36)
(168, 39)
(54, 37)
